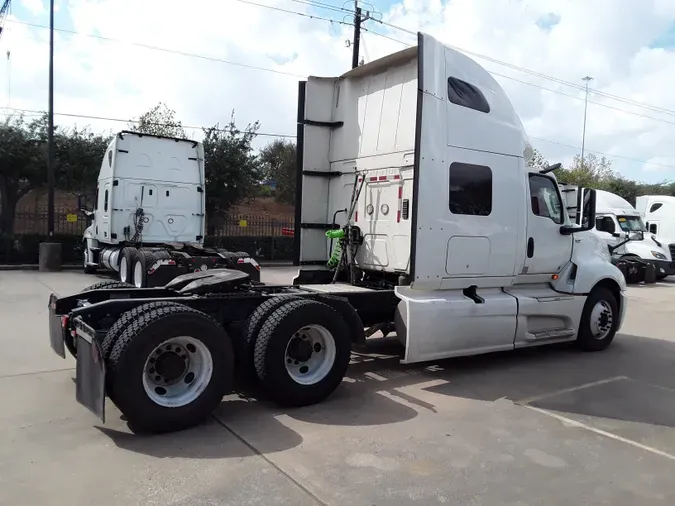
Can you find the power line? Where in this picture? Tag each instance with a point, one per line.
(604, 154)
(289, 136)
(34, 112)
(162, 49)
(288, 11)
(600, 104)
(541, 75)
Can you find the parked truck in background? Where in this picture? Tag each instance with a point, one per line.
(148, 217)
(416, 213)
(641, 256)
(658, 212)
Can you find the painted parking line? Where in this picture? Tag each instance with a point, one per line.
(535, 398)
(526, 403)
(601, 432)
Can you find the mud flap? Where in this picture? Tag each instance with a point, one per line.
(90, 371)
(56, 328)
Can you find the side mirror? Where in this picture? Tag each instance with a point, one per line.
(636, 235)
(81, 201)
(585, 212)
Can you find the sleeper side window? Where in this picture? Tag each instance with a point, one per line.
(470, 189)
(545, 199)
(105, 202)
(655, 207)
(467, 95)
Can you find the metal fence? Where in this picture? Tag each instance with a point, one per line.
(67, 222)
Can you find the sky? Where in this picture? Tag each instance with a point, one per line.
(205, 58)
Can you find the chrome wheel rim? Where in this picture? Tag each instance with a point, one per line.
(124, 269)
(310, 354)
(177, 372)
(138, 274)
(601, 320)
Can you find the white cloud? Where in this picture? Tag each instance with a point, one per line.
(563, 38)
(35, 7)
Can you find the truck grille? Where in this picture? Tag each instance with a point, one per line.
(671, 247)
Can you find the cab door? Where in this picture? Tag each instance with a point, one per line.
(547, 250)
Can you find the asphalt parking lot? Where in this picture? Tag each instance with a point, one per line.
(548, 426)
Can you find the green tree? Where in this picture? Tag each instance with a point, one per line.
(22, 164)
(538, 161)
(278, 164)
(160, 120)
(232, 170)
(594, 172)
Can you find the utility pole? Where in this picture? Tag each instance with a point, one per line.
(50, 251)
(358, 19)
(583, 136)
(50, 133)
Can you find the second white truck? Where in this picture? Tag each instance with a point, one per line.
(416, 213)
(148, 218)
(641, 255)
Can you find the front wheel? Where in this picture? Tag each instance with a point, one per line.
(599, 320)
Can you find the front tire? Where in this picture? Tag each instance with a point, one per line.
(170, 368)
(599, 320)
(302, 352)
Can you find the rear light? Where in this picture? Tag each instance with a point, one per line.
(64, 322)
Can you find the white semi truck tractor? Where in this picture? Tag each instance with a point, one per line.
(416, 213)
(640, 255)
(148, 215)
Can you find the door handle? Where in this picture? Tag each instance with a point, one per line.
(530, 247)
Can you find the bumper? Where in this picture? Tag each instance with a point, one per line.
(663, 267)
(623, 306)
(90, 368)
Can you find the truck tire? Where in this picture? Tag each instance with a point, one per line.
(127, 256)
(122, 323)
(244, 347)
(599, 320)
(302, 352)
(143, 260)
(108, 285)
(170, 368)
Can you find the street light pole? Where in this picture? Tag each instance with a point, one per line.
(50, 133)
(583, 136)
(50, 251)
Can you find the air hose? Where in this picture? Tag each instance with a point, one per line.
(336, 255)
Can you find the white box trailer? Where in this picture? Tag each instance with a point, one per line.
(414, 166)
(148, 216)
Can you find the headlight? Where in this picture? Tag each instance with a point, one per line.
(658, 255)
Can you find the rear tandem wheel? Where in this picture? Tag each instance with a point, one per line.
(170, 368)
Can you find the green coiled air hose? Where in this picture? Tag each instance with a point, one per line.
(335, 256)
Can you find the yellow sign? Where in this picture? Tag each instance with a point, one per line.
(71, 218)
(243, 223)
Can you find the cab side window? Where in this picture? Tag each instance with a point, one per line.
(470, 189)
(605, 224)
(545, 199)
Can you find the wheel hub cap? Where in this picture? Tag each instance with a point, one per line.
(310, 354)
(168, 364)
(601, 320)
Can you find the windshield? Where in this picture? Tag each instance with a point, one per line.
(631, 223)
